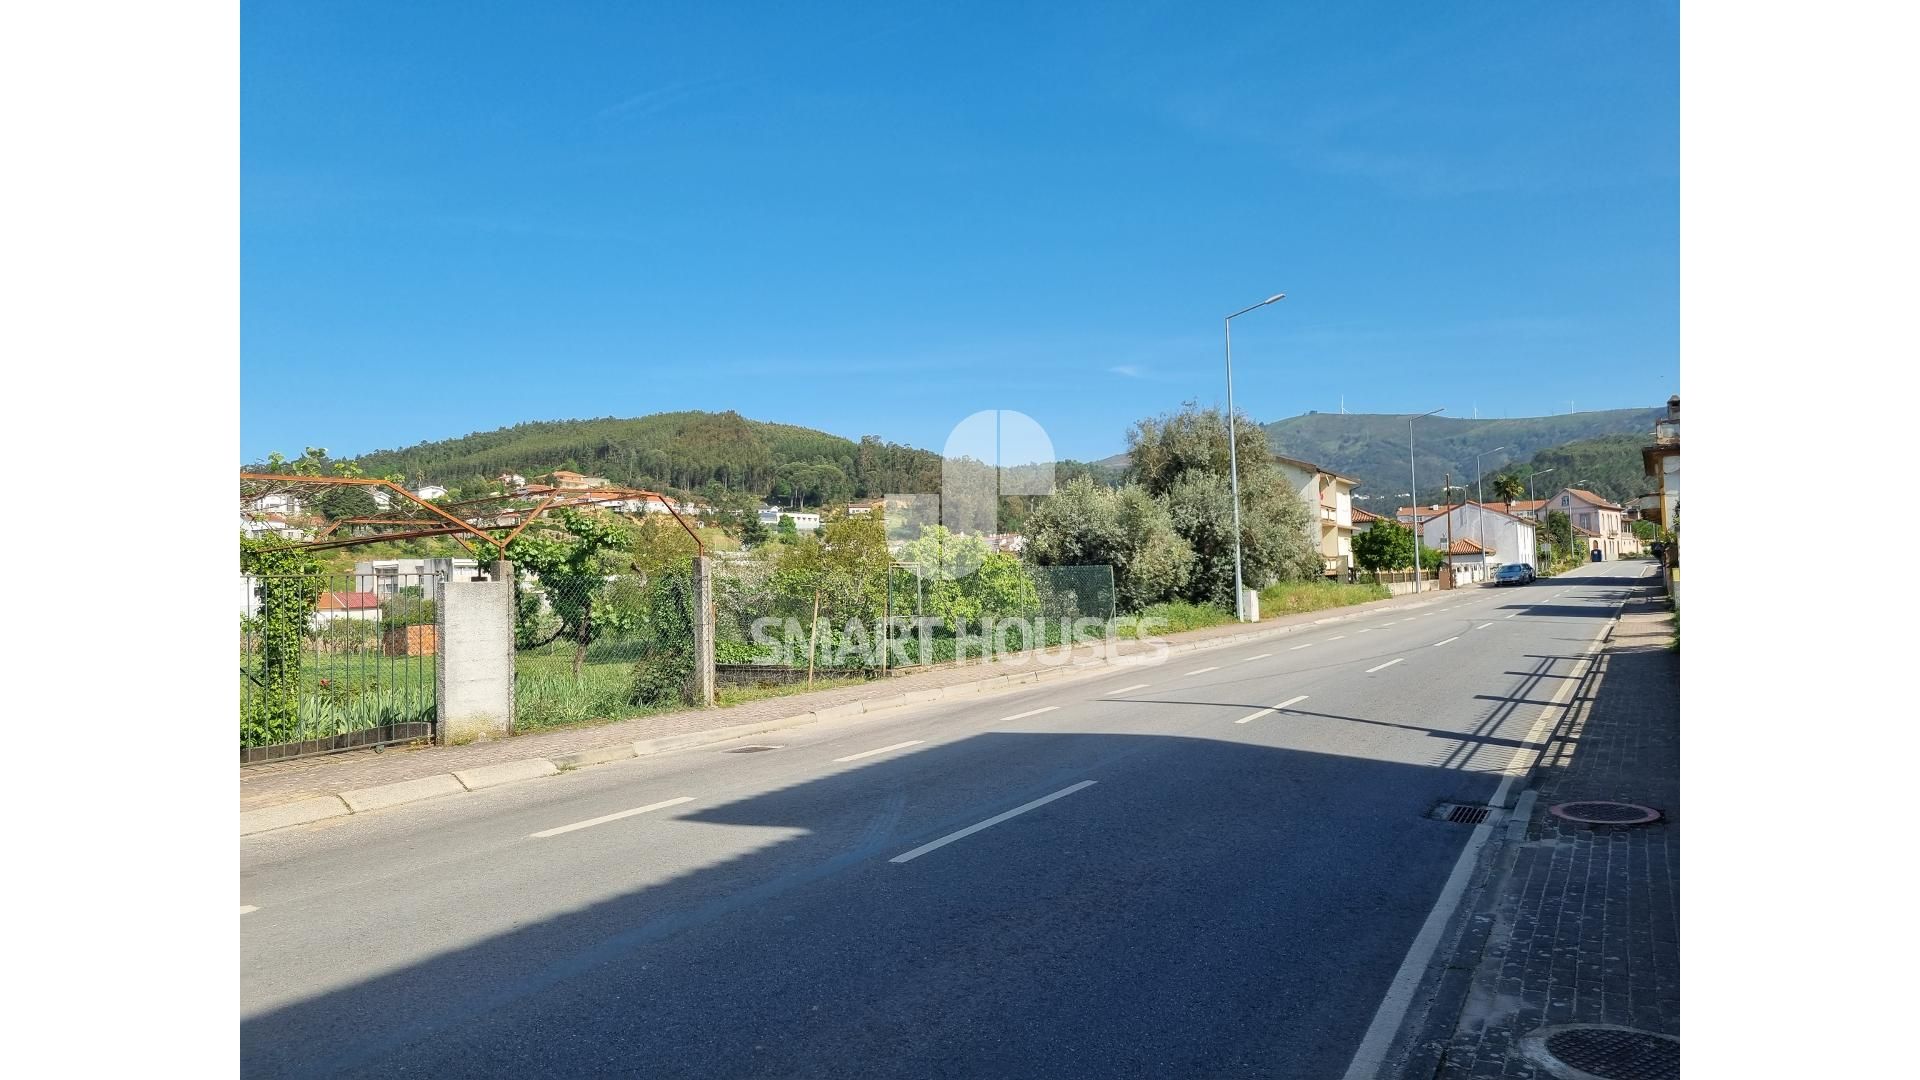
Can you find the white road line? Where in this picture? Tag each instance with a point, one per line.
(1336, 637)
(1254, 716)
(990, 822)
(1204, 670)
(1437, 644)
(1483, 626)
(1295, 700)
(1024, 715)
(1364, 630)
(1126, 689)
(591, 822)
(1510, 616)
(882, 750)
(1367, 1060)
(244, 908)
(1388, 664)
(1297, 648)
(1251, 659)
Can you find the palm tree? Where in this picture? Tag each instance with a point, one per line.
(1508, 487)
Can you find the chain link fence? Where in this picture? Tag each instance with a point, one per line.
(334, 662)
(591, 647)
(772, 627)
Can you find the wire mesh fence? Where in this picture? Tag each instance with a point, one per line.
(772, 626)
(334, 662)
(601, 647)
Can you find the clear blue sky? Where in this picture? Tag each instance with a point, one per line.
(877, 219)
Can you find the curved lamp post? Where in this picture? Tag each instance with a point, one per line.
(1233, 456)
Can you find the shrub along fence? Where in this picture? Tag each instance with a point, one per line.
(592, 647)
(334, 662)
(785, 625)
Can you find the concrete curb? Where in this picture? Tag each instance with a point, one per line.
(298, 812)
(382, 796)
(400, 793)
(506, 772)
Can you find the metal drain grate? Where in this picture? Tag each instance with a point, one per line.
(749, 749)
(1461, 813)
(1596, 812)
(1606, 1052)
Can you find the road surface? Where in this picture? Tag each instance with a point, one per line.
(1212, 867)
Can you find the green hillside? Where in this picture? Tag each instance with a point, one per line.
(682, 452)
(1372, 448)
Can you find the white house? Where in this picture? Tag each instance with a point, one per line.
(431, 492)
(802, 522)
(355, 606)
(1504, 537)
(386, 577)
(1470, 561)
(1604, 521)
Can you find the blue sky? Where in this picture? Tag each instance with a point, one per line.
(877, 219)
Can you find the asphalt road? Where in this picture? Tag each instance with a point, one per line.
(1174, 878)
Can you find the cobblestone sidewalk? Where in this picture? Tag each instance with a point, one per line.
(280, 782)
(1586, 918)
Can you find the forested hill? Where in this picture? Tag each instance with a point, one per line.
(1372, 448)
(681, 451)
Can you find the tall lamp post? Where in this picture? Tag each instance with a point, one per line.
(1480, 492)
(1413, 474)
(1539, 518)
(1233, 456)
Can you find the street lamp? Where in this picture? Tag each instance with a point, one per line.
(1479, 489)
(1413, 475)
(1233, 456)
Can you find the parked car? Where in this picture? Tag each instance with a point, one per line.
(1513, 574)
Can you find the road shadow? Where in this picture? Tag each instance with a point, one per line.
(1208, 907)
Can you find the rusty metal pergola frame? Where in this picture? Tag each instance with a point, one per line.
(467, 522)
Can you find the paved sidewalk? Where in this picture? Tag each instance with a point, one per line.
(1585, 918)
(284, 782)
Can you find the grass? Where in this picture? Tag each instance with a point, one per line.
(728, 696)
(1293, 597)
(1175, 616)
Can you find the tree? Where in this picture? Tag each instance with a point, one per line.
(1647, 531)
(347, 501)
(1559, 530)
(1386, 545)
(1183, 460)
(1086, 524)
(288, 583)
(573, 564)
(1507, 487)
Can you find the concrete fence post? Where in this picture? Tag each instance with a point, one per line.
(703, 630)
(475, 676)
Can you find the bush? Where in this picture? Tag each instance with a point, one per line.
(1290, 597)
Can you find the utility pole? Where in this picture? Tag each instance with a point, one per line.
(1449, 563)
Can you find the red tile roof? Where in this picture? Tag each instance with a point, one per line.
(1466, 547)
(1594, 499)
(348, 601)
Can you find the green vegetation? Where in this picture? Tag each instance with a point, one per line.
(1293, 597)
(1175, 616)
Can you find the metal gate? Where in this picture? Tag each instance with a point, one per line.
(332, 662)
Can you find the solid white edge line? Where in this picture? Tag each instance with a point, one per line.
(602, 820)
(1364, 630)
(1437, 644)
(1388, 664)
(1125, 689)
(882, 750)
(996, 819)
(1392, 1012)
(244, 908)
(1204, 670)
(1024, 715)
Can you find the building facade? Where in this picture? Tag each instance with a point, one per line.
(1329, 496)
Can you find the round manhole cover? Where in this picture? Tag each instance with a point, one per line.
(1605, 1052)
(1604, 813)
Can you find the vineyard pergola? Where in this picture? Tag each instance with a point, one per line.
(484, 526)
